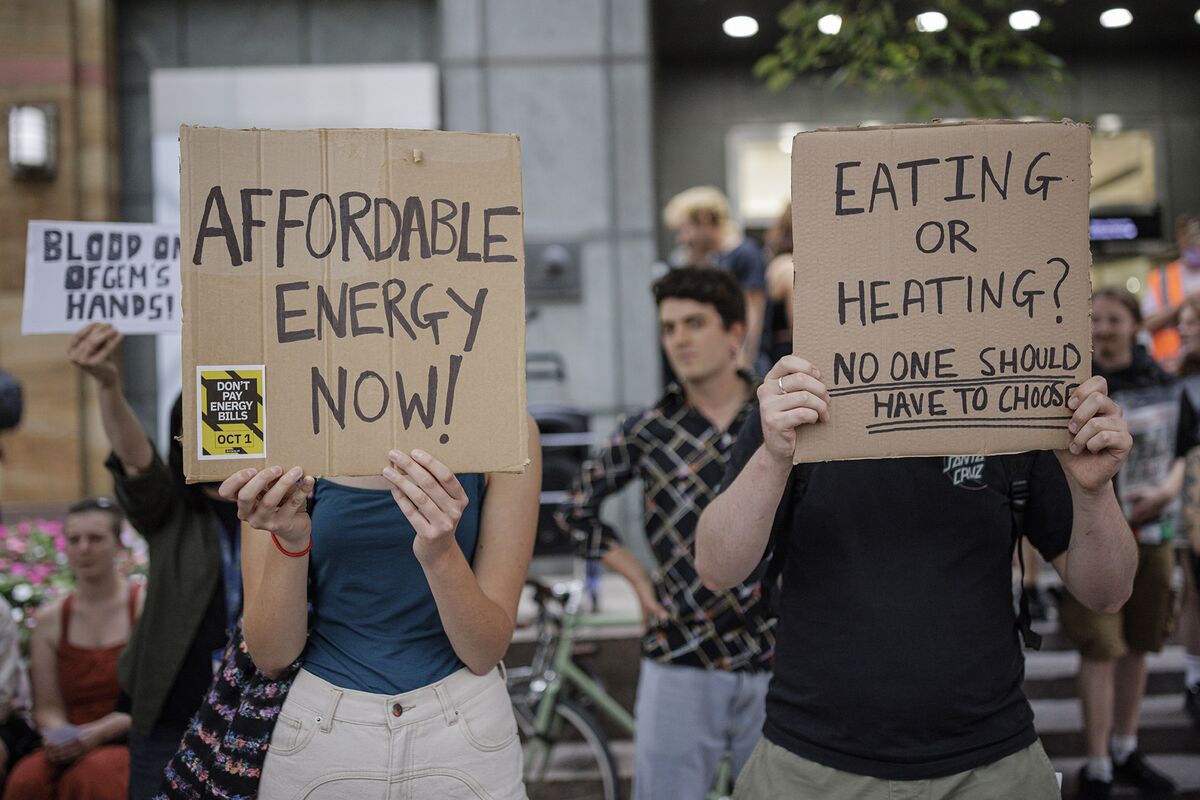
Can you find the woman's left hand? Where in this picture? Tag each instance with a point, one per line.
(432, 499)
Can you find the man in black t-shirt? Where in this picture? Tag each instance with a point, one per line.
(897, 655)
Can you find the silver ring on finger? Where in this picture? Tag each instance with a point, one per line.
(781, 389)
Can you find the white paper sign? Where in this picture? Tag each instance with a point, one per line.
(122, 273)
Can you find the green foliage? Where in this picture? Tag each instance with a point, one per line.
(978, 61)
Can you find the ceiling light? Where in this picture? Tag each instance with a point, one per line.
(830, 24)
(740, 27)
(932, 22)
(1196, 16)
(1116, 18)
(1024, 20)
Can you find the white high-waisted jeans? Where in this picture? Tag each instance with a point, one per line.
(452, 740)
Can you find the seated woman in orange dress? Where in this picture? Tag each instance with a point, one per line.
(73, 657)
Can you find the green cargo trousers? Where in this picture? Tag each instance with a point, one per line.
(774, 772)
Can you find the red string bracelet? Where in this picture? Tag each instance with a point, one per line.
(289, 553)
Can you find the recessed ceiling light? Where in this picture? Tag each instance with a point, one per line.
(740, 27)
(830, 24)
(1024, 20)
(932, 22)
(1196, 16)
(1116, 18)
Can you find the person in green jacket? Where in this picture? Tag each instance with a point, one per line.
(193, 597)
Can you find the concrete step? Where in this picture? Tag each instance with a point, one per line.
(1050, 674)
(1164, 728)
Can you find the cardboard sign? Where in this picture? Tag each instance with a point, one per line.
(373, 279)
(942, 286)
(125, 274)
(1153, 418)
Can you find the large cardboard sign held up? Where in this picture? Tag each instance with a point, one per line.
(942, 285)
(350, 291)
(122, 273)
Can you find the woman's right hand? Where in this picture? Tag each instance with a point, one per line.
(273, 500)
(791, 395)
(91, 349)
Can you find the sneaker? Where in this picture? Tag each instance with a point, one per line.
(1191, 704)
(1090, 788)
(1136, 771)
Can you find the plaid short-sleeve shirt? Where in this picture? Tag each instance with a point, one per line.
(679, 456)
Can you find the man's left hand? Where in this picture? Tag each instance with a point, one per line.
(1101, 440)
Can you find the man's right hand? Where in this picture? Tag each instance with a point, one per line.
(273, 500)
(653, 612)
(791, 395)
(92, 349)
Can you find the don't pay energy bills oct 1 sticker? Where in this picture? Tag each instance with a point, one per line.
(231, 411)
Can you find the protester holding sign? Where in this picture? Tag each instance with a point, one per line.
(1113, 646)
(414, 579)
(898, 657)
(194, 593)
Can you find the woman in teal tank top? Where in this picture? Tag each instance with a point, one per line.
(414, 578)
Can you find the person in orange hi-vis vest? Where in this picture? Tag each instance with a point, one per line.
(1166, 289)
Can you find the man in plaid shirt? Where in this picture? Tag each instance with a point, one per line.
(706, 654)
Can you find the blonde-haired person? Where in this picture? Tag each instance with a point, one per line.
(414, 578)
(707, 235)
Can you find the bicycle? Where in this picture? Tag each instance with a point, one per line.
(554, 696)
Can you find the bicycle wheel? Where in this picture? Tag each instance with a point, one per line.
(575, 763)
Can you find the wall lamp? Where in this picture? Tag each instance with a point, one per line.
(32, 141)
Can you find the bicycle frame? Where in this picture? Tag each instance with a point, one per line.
(563, 671)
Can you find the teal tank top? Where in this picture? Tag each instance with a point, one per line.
(375, 626)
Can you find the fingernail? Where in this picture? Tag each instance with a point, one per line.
(393, 454)
(390, 473)
(420, 454)
(252, 472)
(1075, 448)
(295, 472)
(1073, 402)
(276, 470)
(1073, 428)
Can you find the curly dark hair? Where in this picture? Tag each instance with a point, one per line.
(708, 285)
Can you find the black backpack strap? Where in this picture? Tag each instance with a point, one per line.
(1018, 503)
(777, 546)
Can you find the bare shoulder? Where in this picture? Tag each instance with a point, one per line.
(49, 622)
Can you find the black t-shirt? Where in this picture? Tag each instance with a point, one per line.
(897, 652)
